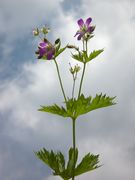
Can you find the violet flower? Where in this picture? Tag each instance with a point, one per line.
(45, 50)
(85, 28)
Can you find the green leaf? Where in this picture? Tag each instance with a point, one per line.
(55, 109)
(78, 57)
(85, 56)
(94, 54)
(60, 51)
(82, 105)
(71, 163)
(88, 163)
(56, 161)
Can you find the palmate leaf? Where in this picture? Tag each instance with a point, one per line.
(88, 163)
(55, 109)
(80, 106)
(84, 57)
(56, 161)
(84, 105)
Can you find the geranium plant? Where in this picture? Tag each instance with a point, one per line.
(74, 106)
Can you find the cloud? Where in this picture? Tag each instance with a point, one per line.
(110, 131)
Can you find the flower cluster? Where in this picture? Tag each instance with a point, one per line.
(74, 69)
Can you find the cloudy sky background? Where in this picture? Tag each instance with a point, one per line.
(26, 83)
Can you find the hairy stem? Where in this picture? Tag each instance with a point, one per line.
(84, 66)
(73, 89)
(74, 144)
(74, 80)
(63, 92)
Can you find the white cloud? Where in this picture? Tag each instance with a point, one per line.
(37, 83)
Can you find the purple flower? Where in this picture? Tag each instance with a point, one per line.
(45, 50)
(85, 28)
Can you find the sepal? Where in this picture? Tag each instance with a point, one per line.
(58, 49)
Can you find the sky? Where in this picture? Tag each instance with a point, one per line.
(26, 83)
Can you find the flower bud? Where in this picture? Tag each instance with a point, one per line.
(77, 68)
(45, 30)
(36, 32)
(72, 47)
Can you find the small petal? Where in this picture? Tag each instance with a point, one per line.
(78, 32)
(42, 44)
(79, 37)
(49, 55)
(90, 29)
(42, 51)
(80, 23)
(88, 21)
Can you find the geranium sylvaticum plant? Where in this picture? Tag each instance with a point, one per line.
(74, 106)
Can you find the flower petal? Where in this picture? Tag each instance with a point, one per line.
(50, 55)
(43, 44)
(42, 51)
(80, 22)
(79, 37)
(78, 32)
(88, 21)
(90, 29)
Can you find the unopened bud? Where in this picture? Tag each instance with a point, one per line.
(77, 68)
(36, 32)
(45, 30)
(72, 47)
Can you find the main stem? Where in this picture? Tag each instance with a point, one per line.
(74, 144)
(60, 80)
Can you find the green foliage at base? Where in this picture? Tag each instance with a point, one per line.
(56, 162)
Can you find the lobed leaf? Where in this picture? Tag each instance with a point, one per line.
(94, 54)
(56, 162)
(80, 106)
(54, 109)
(88, 163)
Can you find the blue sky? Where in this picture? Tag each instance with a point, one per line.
(26, 83)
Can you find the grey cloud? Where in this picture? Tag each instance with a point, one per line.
(109, 131)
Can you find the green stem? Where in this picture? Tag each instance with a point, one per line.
(74, 79)
(74, 145)
(73, 88)
(86, 46)
(60, 80)
(84, 66)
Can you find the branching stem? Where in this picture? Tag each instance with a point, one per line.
(63, 92)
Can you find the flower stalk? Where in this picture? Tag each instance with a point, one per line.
(61, 85)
